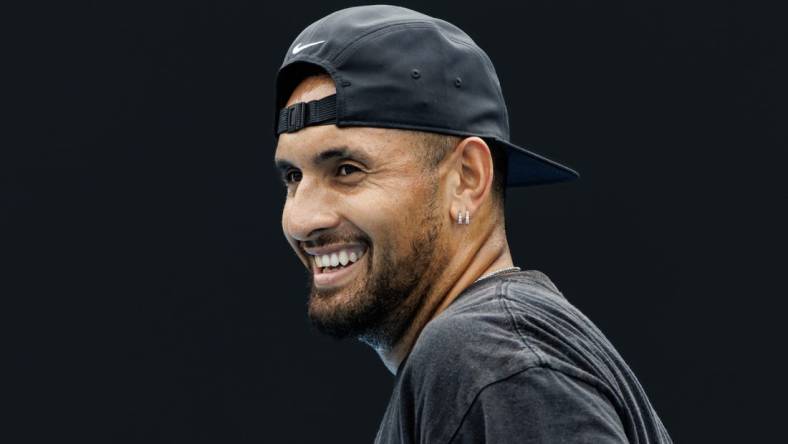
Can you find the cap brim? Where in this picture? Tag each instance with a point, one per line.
(527, 168)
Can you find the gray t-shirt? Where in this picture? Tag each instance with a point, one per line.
(512, 361)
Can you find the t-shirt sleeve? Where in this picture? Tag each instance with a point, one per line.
(540, 405)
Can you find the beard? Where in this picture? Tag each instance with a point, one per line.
(379, 305)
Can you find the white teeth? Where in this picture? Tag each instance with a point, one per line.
(343, 257)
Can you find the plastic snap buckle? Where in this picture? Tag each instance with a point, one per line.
(296, 116)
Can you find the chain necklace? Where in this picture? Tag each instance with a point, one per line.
(502, 270)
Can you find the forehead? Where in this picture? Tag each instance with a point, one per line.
(313, 87)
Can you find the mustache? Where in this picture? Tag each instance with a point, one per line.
(336, 238)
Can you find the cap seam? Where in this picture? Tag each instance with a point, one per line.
(390, 27)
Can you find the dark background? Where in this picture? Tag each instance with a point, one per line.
(148, 294)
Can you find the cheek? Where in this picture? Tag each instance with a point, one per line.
(373, 221)
(393, 224)
(377, 222)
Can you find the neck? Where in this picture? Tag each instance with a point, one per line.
(468, 263)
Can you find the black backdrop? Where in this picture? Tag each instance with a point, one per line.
(149, 295)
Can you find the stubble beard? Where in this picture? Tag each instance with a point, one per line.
(381, 304)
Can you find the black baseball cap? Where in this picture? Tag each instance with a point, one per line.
(398, 68)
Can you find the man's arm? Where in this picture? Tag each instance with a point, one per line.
(540, 405)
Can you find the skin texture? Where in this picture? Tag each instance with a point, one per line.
(379, 194)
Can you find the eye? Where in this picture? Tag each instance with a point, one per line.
(292, 176)
(347, 169)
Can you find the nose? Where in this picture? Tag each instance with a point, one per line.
(308, 211)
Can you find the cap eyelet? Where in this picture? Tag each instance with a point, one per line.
(458, 82)
(415, 74)
(345, 83)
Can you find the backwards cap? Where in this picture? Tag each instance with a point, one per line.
(397, 68)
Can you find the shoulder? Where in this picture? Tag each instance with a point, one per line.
(476, 335)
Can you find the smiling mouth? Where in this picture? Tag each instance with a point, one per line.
(336, 267)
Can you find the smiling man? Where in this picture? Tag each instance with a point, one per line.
(393, 143)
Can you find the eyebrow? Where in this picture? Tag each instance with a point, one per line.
(337, 153)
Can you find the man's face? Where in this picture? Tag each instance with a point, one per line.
(366, 219)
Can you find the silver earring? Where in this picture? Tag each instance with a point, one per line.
(464, 220)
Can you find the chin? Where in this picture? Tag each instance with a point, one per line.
(341, 312)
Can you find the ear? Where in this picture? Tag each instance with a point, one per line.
(471, 175)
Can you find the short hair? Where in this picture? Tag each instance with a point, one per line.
(434, 147)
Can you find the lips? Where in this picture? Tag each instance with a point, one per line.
(336, 276)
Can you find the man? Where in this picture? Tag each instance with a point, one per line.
(393, 143)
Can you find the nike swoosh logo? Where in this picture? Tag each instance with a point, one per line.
(298, 47)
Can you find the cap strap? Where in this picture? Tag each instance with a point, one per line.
(301, 114)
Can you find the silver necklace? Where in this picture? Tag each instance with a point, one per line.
(502, 270)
